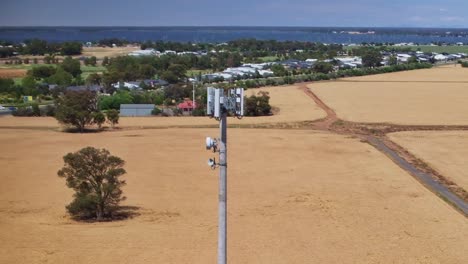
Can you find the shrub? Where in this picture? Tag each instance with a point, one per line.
(465, 64)
(156, 111)
(258, 105)
(113, 117)
(48, 110)
(99, 119)
(23, 111)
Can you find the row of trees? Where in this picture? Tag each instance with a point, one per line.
(42, 47)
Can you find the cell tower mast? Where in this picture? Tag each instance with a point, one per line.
(220, 106)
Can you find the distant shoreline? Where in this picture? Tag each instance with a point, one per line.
(219, 34)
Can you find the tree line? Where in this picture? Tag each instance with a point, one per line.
(42, 47)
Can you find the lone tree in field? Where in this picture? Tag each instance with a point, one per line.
(94, 176)
(76, 109)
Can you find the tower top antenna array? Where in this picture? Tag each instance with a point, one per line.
(219, 102)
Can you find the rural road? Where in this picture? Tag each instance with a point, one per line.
(428, 180)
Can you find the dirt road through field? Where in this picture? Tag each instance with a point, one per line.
(454, 195)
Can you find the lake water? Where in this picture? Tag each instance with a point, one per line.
(223, 34)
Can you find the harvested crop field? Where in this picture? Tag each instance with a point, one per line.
(434, 96)
(294, 197)
(293, 105)
(445, 151)
(101, 52)
(12, 73)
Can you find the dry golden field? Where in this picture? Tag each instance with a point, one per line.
(12, 73)
(101, 52)
(293, 106)
(445, 151)
(436, 96)
(294, 197)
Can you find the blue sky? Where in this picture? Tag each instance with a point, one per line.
(375, 13)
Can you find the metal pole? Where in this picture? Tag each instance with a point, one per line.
(193, 98)
(222, 224)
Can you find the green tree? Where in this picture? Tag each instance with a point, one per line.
(179, 70)
(60, 77)
(35, 110)
(48, 59)
(146, 71)
(35, 47)
(323, 67)
(99, 119)
(40, 72)
(105, 61)
(76, 108)
(392, 60)
(371, 58)
(113, 117)
(71, 48)
(29, 83)
(114, 101)
(413, 59)
(94, 175)
(279, 70)
(258, 105)
(94, 78)
(90, 61)
(72, 66)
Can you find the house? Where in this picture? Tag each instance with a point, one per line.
(136, 109)
(440, 57)
(128, 85)
(155, 83)
(146, 52)
(79, 88)
(187, 106)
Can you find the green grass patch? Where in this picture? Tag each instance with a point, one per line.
(85, 68)
(424, 48)
(441, 49)
(194, 72)
(23, 66)
(268, 58)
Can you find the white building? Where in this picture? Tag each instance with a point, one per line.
(146, 52)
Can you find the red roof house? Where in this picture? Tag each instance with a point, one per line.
(187, 105)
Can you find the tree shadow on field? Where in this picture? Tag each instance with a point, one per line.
(74, 130)
(120, 213)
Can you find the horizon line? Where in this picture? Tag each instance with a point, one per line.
(236, 26)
